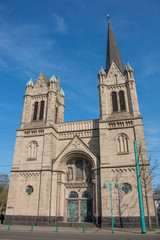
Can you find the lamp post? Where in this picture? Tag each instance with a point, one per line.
(110, 189)
(143, 227)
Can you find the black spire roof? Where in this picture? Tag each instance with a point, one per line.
(112, 50)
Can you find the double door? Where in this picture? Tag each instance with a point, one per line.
(79, 210)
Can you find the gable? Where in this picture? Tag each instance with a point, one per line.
(76, 147)
(115, 75)
(41, 85)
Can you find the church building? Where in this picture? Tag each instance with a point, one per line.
(68, 171)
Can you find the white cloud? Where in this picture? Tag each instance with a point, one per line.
(22, 48)
(60, 25)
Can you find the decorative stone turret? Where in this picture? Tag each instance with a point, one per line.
(129, 71)
(131, 91)
(30, 83)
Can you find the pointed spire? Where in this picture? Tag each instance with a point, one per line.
(112, 49)
(53, 79)
(62, 92)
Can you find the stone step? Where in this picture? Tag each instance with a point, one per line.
(73, 224)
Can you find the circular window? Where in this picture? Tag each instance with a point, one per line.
(29, 190)
(126, 187)
(73, 195)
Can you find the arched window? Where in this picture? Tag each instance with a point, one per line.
(86, 195)
(122, 143)
(79, 170)
(33, 150)
(73, 195)
(114, 102)
(41, 111)
(35, 111)
(122, 101)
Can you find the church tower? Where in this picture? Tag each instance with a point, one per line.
(43, 103)
(117, 90)
(119, 125)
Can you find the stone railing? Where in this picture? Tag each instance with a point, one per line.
(77, 126)
(120, 124)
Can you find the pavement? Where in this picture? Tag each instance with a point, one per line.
(74, 230)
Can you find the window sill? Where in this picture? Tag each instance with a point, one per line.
(38, 120)
(122, 111)
(122, 153)
(31, 159)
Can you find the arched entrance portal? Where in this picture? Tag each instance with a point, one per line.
(79, 189)
(79, 207)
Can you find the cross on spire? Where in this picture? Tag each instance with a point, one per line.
(109, 17)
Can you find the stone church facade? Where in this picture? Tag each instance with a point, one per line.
(59, 168)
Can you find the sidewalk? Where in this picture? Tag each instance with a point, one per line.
(78, 230)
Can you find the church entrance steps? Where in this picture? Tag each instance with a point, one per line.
(69, 224)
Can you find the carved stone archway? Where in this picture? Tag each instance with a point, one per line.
(78, 177)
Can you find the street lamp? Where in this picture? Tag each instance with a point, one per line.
(110, 189)
(143, 227)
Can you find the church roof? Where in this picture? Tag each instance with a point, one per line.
(113, 53)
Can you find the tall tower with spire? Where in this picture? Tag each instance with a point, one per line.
(120, 123)
(117, 81)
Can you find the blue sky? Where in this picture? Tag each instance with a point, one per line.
(68, 38)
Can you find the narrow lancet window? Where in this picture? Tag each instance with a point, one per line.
(79, 170)
(41, 111)
(56, 115)
(122, 101)
(114, 102)
(35, 111)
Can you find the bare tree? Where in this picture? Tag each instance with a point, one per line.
(156, 189)
(4, 182)
(147, 173)
(124, 207)
(156, 192)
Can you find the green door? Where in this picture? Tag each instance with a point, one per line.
(86, 211)
(72, 210)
